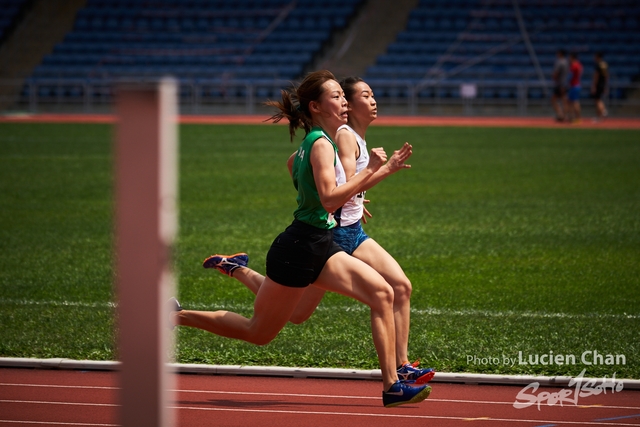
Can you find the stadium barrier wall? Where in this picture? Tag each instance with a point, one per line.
(246, 97)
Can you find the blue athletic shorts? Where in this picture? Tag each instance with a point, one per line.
(349, 237)
(574, 93)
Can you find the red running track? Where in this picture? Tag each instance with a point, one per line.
(35, 397)
(542, 122)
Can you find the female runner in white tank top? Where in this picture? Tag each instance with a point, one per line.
(352, 150)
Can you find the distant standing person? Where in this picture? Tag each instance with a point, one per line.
(560, 72)
(599, 84)
(575, 67)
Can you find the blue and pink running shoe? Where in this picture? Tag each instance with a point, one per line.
(411, 373)
(403, 394)
(226, 264)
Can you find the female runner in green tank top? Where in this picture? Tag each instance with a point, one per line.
(363, 110)
(305, 252)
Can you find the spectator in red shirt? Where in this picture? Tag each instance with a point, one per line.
(575, 68)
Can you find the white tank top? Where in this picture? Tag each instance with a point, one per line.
(352, 210)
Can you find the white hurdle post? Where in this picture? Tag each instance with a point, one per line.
(146, 163)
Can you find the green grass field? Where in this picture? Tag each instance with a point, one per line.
(515, 240)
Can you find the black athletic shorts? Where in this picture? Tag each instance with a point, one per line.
(599, 91)
(298, 254)
(559, 90)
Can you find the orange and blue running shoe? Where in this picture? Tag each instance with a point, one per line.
(403, 394)
(226, 264)
(411, 372)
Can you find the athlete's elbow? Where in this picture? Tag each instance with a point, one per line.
(331, 207)
(329, 203)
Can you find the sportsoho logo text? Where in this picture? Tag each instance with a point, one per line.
(578, 388)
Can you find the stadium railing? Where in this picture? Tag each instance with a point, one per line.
(219, 96)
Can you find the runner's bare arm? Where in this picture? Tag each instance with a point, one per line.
(322, 161)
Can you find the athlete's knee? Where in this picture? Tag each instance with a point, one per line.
(402, 289)
(261, 339)
(259, 336)
(383, 296)
(297, 320)
(300, 318)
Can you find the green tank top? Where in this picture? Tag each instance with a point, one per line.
(310, 210)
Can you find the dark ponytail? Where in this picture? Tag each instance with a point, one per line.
(294, 105)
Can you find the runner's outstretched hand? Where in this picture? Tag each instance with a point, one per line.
(377, 158)
(397, 161)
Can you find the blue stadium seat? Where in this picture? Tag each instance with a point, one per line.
(440, 32)
(213, 39)
(204, 39)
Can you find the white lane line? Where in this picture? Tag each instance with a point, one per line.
(44, 402)
(327, 396)
(425, 417)
(325, 413)
(252, 393)
(315, 396)
(57, 423)
(347, 308)
(60, 386)
(80, 304)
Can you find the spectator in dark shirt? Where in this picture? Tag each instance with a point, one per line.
(599, 84)
(560, 72)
